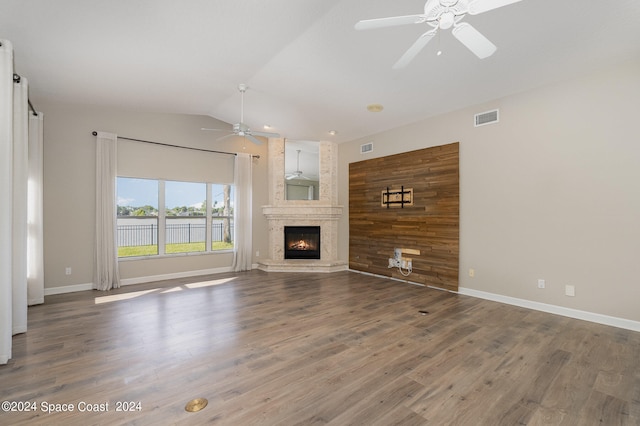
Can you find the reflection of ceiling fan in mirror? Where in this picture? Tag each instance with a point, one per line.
(241, 129)
(297, 174)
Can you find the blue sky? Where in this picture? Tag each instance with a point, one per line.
(142, 192)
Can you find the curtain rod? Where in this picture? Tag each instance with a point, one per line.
(16, 79)
(94, 133)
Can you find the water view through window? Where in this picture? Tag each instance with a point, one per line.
(182, 226)
(137, 224)
(186, 216)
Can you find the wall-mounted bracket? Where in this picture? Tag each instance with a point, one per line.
(397, 197)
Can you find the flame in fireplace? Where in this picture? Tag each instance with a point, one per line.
(300, 245)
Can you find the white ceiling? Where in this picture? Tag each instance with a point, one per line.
(307, 69)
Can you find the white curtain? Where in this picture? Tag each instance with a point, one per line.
(14, 169)
(243, 212)
(19, 219)
(6, 199)
(106, 275)
(35, 234)
(15, 195)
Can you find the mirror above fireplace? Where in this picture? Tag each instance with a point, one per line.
(302, 170)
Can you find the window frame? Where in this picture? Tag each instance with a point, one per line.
(162, 221)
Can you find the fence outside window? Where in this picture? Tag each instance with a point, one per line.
(189, 231)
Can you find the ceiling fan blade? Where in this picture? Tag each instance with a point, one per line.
(480, 6)
(253, 139)
(266, 134)
(417, 46)
(474, 40)
(217, 130)
(369, 24)
(226, 136)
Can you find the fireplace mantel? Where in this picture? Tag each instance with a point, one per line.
(297, 211)
(323, 212)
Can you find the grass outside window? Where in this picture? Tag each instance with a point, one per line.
(152, 250)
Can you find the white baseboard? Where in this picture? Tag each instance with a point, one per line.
(173, 276)
(48, 291)
(553, 309)
(139, 280)
(19, 330)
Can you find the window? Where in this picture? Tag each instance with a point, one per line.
(137, 222)
(222, 217)
(145, 229)
(186, 217)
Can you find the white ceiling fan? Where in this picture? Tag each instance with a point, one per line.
(241, 129)
(297, 174)
(443, 14)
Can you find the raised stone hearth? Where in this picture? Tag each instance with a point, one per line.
(323, 212)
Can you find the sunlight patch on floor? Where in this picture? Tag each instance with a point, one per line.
(134, 294)
(123, 296)
(172, 290)
(209, 283)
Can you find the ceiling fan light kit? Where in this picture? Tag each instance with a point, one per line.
(442, 15)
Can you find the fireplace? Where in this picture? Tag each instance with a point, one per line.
(302, 242)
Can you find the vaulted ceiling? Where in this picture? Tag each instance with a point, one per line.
(308, 70)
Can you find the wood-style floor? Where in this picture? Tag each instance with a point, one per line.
(303, 349)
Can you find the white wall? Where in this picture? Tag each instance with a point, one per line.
(69, 181)
(552, 191)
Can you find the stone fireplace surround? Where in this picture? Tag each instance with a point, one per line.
(323, 212)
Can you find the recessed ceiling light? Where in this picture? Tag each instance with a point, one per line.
(375, 108)
(333, 132)
(267, 126)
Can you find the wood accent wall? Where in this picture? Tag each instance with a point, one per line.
(430, 225)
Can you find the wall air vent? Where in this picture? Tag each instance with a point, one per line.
(366, 148)
(488, 117)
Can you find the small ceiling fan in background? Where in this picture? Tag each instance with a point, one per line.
(241, 129)
(443, 14)
(297, 174)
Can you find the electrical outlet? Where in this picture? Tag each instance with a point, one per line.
(398, 254)
(569, 290)
(541, 283)
(67, 270)
(472, 272)
(257, 253)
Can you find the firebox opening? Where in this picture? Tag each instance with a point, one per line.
(302, 242)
